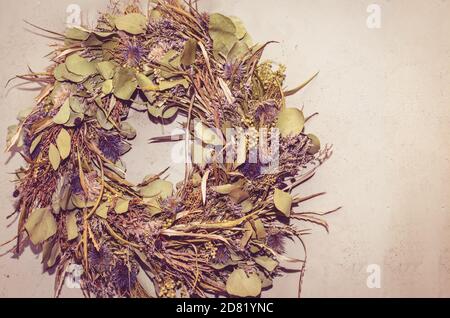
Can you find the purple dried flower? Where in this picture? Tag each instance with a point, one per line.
(133, 54)
(111, 146)
(266, 112)
(123, 278)
(101, 259)
(76, 184)
(276, 242)
(222, 255)
(251, 170)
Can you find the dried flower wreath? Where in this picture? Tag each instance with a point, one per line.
(222, 230)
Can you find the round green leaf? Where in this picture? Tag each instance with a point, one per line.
(63, 142)
(283, 202)
(315, 144)
(40, 225)
(133, 23)
(158, 188)
(122, 206)
(54, 157)
(290, 122)
(80, 66)
(63, 114)
(72, 227)
(241, 285)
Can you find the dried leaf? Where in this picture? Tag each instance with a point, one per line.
(157, 189)
(40, 225)
(203, 186)
(107, 87)
(54, 157)
(290, 122)
(106, 69)
(266, 262)
(188, 56)
(283, 202)
(35, 143)
(242, 285)
(63, 114)
(207, 135)
(102, 210)
(133, 23)
(124, 83)
(80, 66)
(77, 34)
(63, 142)
(71, 224)
(122, 206)
(315, 147)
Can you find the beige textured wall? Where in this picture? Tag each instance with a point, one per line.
(384, 102)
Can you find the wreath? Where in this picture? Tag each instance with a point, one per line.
(221, 230)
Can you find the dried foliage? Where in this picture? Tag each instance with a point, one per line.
(220, 231)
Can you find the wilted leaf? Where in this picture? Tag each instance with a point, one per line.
(207, 135)
(107, 87)
(76, 105)
(63, 142)
(103, 121)
(315, 147)
(77, 34)
(102, 210)
(242, 285)
(122, 206)
(54, 157)
(80, 66)
(145, 83)
(188, 56)
(260, 230)
(127, 130)
(124, 83)
(238, 50)
(158, 188)
(165, 85)
(266, 262)
(290, 122)
(106, 69)
(241, 31)
(283, 202)
(40, 225)
(227, 188)
(72, 227)
(35, 143)
(223, 33)
(63, 114)
(133, 23)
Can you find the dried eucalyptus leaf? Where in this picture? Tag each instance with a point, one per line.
(122, 206)
(54, 157)
(145, 83)
(170, 112)
(77, 34)
(165, 85)
(103, 121)
(106, 69)
(127, 130)
(63, 142)
(283, 202)
(241, 31)
(72, 227)
(260, 230)
(158, 188)
(133, 23)
(63, 114)
(40, 225)
(223, 33)
(207, 135)
(80, 66)
(242, 285)
(315, 147)
(107, 87)
(102, 210)
(291, 121)
(35, 143)
(75, 119)
(76, 105)
(24, 113)
(124, 83)
(188, 56)
(238, 50)
(266, 262)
